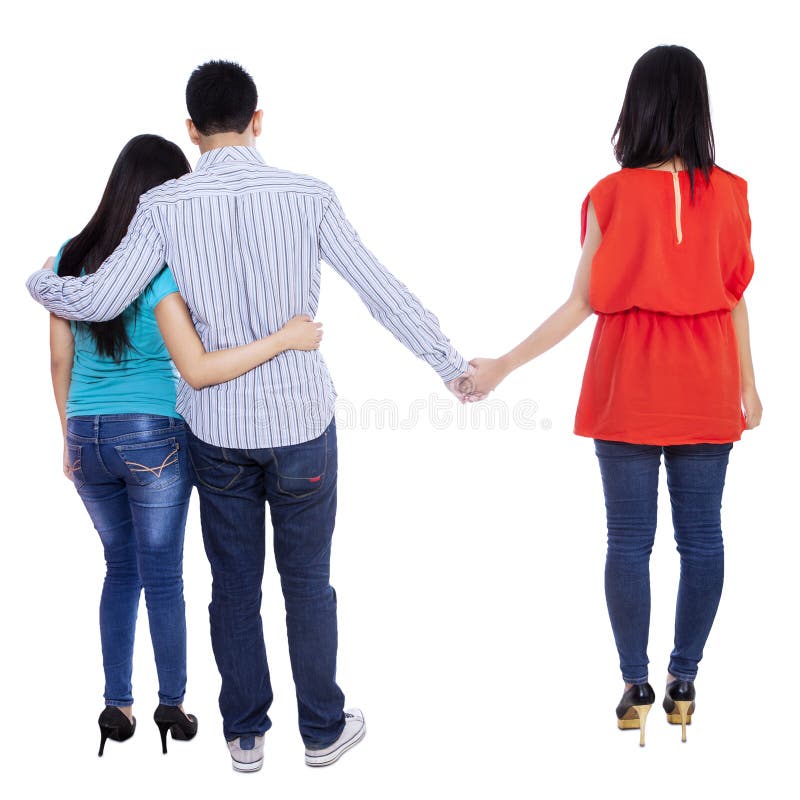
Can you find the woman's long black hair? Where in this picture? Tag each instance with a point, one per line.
(666, 114)
(145, 162)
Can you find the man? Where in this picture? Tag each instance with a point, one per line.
(244, 241)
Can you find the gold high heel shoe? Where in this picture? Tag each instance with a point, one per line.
(634, 707)
(679, 704)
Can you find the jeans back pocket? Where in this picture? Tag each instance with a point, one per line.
(74, 465)
(301, 468)
(153, 464)
(211, 467)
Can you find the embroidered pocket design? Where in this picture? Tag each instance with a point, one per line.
(154, 464)
(172, 458)
(74, 466)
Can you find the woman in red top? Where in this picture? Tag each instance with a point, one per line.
(665, 261)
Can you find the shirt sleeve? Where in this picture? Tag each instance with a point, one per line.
(389, 301)
(741, 264)
(600, 196)
(121, 278)
(162, 285)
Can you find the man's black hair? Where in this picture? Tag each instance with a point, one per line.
(221, 98)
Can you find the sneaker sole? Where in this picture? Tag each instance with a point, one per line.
(240, 766)
(330, 758)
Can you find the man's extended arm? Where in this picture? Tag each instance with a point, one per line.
(388, 300)
(121, 278)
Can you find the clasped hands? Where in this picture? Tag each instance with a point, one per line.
(482, 377)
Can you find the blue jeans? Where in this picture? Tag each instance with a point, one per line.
(695, 477)
(132, 473)
(299, 483)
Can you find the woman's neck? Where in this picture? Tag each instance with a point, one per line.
(672, 165)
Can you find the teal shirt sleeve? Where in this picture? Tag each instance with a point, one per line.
(162, 285)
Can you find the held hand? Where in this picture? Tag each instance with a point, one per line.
(489, 372)
(751, 403)
(463, 387)
(302, 333)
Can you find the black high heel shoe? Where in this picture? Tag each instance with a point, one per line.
(679, 704)
(170, 719)
(634, 707)
(114, 724)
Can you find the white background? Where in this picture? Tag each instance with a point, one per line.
(461, 138)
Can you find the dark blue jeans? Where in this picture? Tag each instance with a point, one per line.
(132, 473)
(695, 477)
(299, 483)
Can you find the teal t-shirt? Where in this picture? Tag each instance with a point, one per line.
(144, 381)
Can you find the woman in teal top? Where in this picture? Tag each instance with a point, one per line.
(142, 380)
(125, 444)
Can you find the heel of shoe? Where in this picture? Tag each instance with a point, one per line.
(642, 712)
(637, 720)
(114, 724)
(683, 715)
(105, 733)
(171, 719)
(163, 729)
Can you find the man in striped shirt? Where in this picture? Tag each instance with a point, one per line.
(244, 241)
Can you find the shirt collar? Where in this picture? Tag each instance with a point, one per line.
(220, 155)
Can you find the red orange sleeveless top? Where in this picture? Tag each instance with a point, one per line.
(663, 366)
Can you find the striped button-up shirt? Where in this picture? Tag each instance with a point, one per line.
(244, 241)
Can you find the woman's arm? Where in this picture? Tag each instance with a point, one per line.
(750, 399)
(200, 368)
(62, 351)
(491, 371)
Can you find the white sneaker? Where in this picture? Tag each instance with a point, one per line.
(354, 731)
(247, 753)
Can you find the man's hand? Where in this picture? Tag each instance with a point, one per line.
(463, 387)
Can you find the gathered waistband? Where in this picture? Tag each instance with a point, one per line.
(633, 310)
